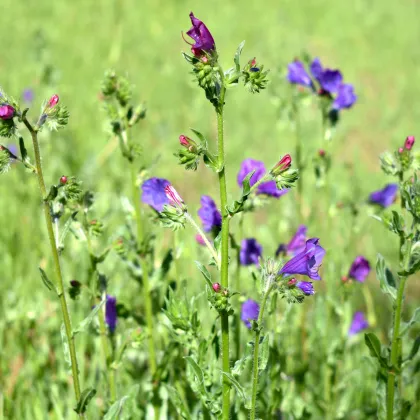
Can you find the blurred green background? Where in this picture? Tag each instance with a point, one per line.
(64, 47)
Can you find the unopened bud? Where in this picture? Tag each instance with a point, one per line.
(292, 282)
(53, 101)
(409, 142)
(75, 283)
(188, 143)
(400, 150)
(253, 62)
(199, 239)
(283, 165)
(6, 112)
(63, 180)
(344, 279)
(204, 59)
(216, 287)
(173, 197)
(321, 152)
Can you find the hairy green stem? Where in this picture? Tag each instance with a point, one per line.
(224, 269)
(298, 157)
(256, 355)
(237, 288)
(57, 267)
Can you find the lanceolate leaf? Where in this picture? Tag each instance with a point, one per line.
(238, 205)
(86, 322)
(47, 282)
(374, 346)
(205, 273)
(84, 400)
(386, 278)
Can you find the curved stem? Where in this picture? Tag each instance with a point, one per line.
(54, 251)
(224, 269)
(256, 355)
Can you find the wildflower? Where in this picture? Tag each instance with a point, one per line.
(154, 193)
(250, 251)
(282, 249)
(297, 74)
(358, 323)
(267, 188)
(188, 143)
(306, 262)
(111, 312)
(384, 197)
(249, 311)
(306, 287)
(345, 97)
(282, 166)
(298, 241)
(28, 95)
(216, 287)
(6, 112)
(199, 239)
(360, 269)
(53, 101)
(201, 35)
(209, 214)
(173, 197)
(409, 142)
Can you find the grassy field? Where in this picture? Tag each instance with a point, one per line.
(65, 47)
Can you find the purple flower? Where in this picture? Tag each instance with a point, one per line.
(330, 80)
(298, 242)
(386, 196)
(345, 97)
(6, 112)
(209, 214)
(358, 323)
(111, 312)
(249, 311)
(28, 95)
(306, 287)
(267, 188)
(201, 35)
(360, 269)
(297, 74)
(154, 193)
(282, 249)
(251, 250)
(306, 262)
(316, 68)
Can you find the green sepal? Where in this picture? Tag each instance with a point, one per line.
(394, 222)
(84, 400)
(172, 217)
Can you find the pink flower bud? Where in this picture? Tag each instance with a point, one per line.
(321, 152)
(409, 142)
(184, 140)
(291, 282)
(344, 279)
(199, 239)
(204, 59)
(53, 101)
(400, 150)
(253, 62)
(283, 164)
(6, 112)
(216, 287)
(173, 196)
(63, 180)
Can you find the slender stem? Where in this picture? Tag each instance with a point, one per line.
(237, 288)
(298, 157)
(59, 277)
(206, 241)
(256, 355)
(224, 270)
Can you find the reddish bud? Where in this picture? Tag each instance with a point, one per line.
(321, 152)
(292, 282)
(63, 180)
(199, 239)
(53, 101)
(344, 279)
(6, 112)
(93, 222)
(216, 287)
(409, 142)
(284, 164)
(204, 59)
(400, 150)
(184, 140)
(253, 62)
(173, 196)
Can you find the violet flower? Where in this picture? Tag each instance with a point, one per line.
(154, 193)
(358, 323)
(268, 187)
(201, 35)
(250, 251)
(249, 312)
(359, 269)
(307, 262)
(298, 241)
(306, 287)
(28, 95)
(297, 74)
(111, 312)
(209, 214)
(7, 112)
(386, 196)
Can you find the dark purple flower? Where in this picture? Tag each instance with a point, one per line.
(345, 97)
(360, 269)
(111, 312)
(282, 249)
(267, 188)
(201, 35)
(330, 80)
(306, 262)
(386, 196)
(6, 112)
(209, 214)
(297, 74)
(306, 287)
(28, 95)
(154, 193)
(249, 311)
(358, 323)
(251, 250)
(298, 242)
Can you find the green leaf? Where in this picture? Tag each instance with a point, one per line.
(374, 345)
(238, 56)
(115, 410)
(47, 282)
(263, 353)
(414, 349)
(239, 389)
(386, 278)
(198, 373)
(414, 320)
(414, 263)
(66, 348)
(205, 273)
(23, 151)
(86, 322)
(178, 402)
(84, 400)
(238, 205)
(66, 230)
(201, 137)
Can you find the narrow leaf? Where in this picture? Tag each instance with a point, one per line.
(205, 273)
(47, 282)
(66, 348)
(239, 389)
(178, 402)
(23, 151)
(86, 322)
(414, 320)
(385, 277)
(414, 349)
(115, 410)
(238, 56)
(198, 373)
(66, 229)
(264, 353)
(374, 345)
(84, 400)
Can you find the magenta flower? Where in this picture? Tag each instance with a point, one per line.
(249, 312)
(358, 323)
(409, 142)
(250, 251)
(386, 196)
(111, 312)
(307, 262)
(154, 193)
(209, 214)
(201, 36)
(360, 269)
(267, 188)
(6, 112)
(306, 287)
